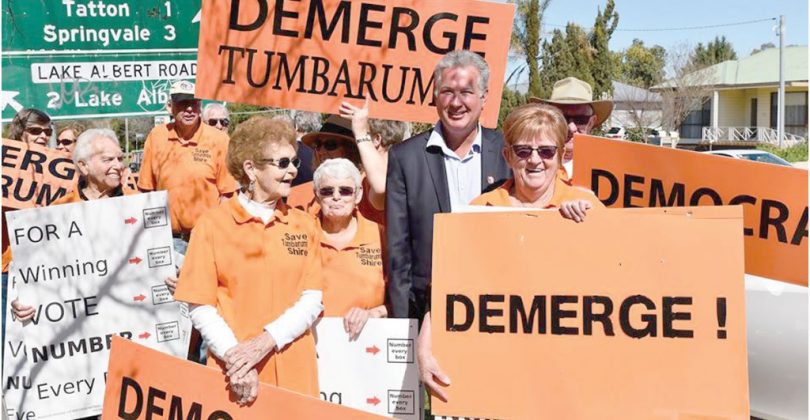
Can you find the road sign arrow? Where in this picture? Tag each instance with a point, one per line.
(372, 400)
(135, 260)
(139, 298)
(130, 221)
(7, 98)
(197, 17)
(144, 335)
(373, 350)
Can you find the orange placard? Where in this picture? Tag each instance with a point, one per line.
(35, 175)
(146, 384)
(633, 314)
(624, 174)
(313, 54)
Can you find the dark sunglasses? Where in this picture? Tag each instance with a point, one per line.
(39, 130)
(578, 119)
(282, 163)
(330, 145)
(65, 142)
(222, 121)
(330, 191)
(523, 151)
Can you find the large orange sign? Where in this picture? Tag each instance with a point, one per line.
(146, 384)
(633, 314)
(35, 176)
(313, 54)
(624, 174)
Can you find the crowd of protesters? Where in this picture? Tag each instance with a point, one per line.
(359, 195)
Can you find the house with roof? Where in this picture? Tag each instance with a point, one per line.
(742, 105)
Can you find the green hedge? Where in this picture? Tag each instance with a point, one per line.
(797, 153)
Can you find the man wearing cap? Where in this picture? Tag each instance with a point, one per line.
(438, 171)
(187, 159)
(574, 98)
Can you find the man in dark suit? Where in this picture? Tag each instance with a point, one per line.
(437, 172)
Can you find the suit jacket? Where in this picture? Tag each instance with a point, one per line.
(416, 189)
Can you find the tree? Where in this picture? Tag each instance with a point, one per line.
(526, 37)
(602, 69)
(715, 52)
(567, 54)
(763, 47)
(641, 66)
(687, 89)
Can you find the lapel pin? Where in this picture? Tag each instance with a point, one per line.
(490, 179)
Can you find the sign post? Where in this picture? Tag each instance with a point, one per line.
(95, 59)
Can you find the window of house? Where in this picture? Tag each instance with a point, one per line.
(692, 125)
(795, 112)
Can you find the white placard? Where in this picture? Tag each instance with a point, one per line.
(377, 373)
(92, 270)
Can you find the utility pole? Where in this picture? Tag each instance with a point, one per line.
(780, 111)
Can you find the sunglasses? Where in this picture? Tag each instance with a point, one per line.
(65, 142)
(330, 145)
(578, 119)
(523, 151)
(330, 191)
(39, 130)
(282, 163)
(222, 121)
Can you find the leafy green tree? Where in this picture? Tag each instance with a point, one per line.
(763, 47)
(602, 68)
(526, 37)
(714, 52)
(641, 66)
(567, 54)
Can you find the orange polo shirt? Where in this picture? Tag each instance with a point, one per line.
(563, 191)
(252, 273)
(74, 196)
(192, 171)
(353, 276)
(302, 196)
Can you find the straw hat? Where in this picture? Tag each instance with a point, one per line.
(572, 91)
(335, 127)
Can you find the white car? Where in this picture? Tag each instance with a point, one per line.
(615, 133)
(751, 154)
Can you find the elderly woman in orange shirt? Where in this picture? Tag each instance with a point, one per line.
(354, 287)
(534, 138)
(252, 274)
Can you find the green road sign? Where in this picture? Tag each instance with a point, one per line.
(96, 58)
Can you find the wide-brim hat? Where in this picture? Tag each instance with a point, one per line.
(335, 127)
(572, 91)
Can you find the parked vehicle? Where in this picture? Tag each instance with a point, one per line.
(751, 154)
(615, 133)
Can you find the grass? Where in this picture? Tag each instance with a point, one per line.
(797, 153)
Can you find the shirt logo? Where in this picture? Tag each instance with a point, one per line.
(369, 257)
(296, 244)
(201, 155)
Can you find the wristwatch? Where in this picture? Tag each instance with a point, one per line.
(363, 139)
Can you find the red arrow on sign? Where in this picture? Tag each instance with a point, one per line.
(130, 221)
(144, 336)
(373, 400)
(135, 260)
(139, 298)
(373, 350)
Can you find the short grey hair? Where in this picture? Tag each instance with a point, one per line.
(391, 132)
(214, 106)
(462, 58)
(307, 122)
(338, 168)
(84, 144)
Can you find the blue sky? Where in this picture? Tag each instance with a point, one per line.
(658, 14)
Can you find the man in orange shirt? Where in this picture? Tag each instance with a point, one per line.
(187, 159)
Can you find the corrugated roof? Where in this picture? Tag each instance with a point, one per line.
(761, 68)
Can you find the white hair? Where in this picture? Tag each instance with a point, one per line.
(458, 59)
(338, 168)
(307, 122)
(214, 106)
(84, 144)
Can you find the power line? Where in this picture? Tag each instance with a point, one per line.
(685, 28)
